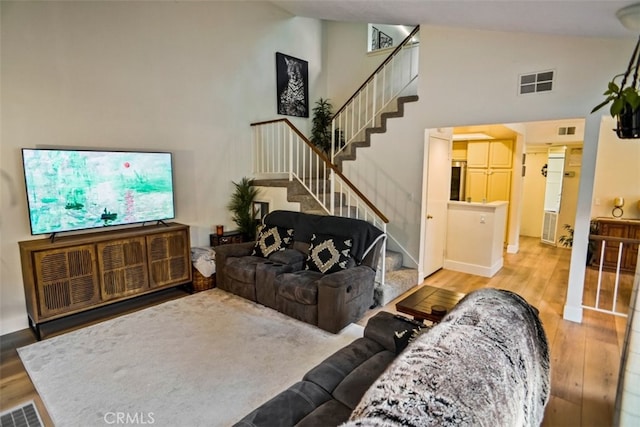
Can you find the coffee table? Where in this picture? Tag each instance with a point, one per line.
(429, 303)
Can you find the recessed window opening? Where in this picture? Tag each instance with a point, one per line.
(383, 36)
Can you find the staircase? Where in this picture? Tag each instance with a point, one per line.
(397, 279)
(349, 152)
(283, 157)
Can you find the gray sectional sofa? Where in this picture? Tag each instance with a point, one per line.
(328, 393)
(318, 269)
(485, 364)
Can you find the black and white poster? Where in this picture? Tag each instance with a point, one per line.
(292, 76)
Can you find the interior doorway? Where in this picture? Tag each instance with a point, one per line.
(526, 201)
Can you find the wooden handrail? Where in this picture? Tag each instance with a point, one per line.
(613, 239)
(400, 46)
(328, 163)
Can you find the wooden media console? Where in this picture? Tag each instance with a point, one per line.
(80, 272)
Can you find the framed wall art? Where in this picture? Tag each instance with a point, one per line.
(384, 40)
(292, 75)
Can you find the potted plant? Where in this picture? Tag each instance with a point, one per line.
(241, 206)
(625, 100)
(321, 130)
(566, 240)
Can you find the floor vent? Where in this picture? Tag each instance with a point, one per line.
(549, 226)
(536, 82)
(25, 415)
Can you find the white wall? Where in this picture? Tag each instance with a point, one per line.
(617, 173)
(470, 77)
(186, 77)
(348, 62)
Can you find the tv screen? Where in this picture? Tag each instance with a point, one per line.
(80, 189)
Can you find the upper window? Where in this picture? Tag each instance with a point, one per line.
(382, 36)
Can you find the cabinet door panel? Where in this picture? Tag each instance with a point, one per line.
(498, 185)
(123, 267)
(501, 154)
(476, 184)
(168, 258)
(631, 257)
(67, 279)
(478, 154)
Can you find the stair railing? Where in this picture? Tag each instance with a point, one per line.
(363, 110)
(281, 150)
(610, 286)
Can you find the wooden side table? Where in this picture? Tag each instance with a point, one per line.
(429, 303)
(227, 237)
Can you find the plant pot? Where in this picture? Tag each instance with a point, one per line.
(628, 124)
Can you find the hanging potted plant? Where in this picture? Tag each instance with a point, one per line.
(625, 100)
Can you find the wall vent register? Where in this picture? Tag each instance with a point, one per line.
(536, 82)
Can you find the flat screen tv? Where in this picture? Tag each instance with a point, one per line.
(81, 189)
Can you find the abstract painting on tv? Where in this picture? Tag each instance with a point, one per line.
(73, 190)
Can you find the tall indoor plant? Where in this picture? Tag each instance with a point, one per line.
(241, 206)
(625, 101)
(321, 130)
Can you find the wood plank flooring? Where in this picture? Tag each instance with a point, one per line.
(584, 357)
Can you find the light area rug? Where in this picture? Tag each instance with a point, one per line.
(206, 359)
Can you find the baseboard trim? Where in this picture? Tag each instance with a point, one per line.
(513, 249)
(572, 313)
(478, 270)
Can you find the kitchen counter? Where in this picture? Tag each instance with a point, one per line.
(475, 237)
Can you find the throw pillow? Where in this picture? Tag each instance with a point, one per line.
(404, 338)
(329, 254)
(272, 239)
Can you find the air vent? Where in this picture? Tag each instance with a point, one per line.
(536, 82)
(549, 225)
(568, 130)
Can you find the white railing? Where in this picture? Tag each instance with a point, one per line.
(607, 288)
(364, 109)
(281, 150)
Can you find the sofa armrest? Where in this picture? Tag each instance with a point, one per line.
(344, 296)
(229, 251)
(383, 326)
(351, 280)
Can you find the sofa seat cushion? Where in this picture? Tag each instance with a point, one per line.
(352, 388)
(288, 257)
(243, 269)
(288, 407)
(300, 286)
(335, 368)
(330, 413)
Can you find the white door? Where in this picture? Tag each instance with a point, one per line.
(438, 187)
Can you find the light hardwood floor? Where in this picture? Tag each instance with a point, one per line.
(584, 357)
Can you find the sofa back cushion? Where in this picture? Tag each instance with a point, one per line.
(364, 235)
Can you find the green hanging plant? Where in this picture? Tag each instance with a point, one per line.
(241, 206)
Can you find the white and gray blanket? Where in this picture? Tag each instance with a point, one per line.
(485, 364)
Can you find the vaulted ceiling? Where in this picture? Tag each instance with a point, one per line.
(586, 18)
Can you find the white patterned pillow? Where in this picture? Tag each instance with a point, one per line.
(272, 239)
(329, 254)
